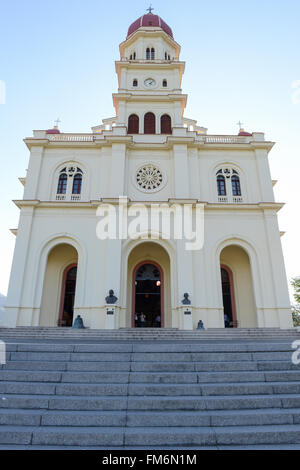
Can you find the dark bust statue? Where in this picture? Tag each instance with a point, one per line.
(78, 323)
(200, 325)
(186, 300)
(111, 298)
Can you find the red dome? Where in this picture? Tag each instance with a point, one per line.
(150, 20)
(53, 131)
(244, 133)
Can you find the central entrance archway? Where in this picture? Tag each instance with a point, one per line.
(148, 296)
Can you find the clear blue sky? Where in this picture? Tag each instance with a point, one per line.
(57, 60)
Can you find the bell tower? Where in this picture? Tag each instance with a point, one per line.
(149, 73)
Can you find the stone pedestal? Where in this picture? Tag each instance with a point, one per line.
(186, 314)
(111, 322)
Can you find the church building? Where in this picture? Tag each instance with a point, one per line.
(149, 153)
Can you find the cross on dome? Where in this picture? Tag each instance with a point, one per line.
(150, 9)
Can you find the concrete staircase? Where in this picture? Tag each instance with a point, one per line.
(142, 334)
(150, 395)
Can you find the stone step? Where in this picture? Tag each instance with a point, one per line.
(173, 347)
(148, 418)
(148, 403)
(142, 448)
(152, 337)
(151, 367)
(148, 334)
(119, 331)
(160, 436)
(162, 389)
(149, 357)
(165, 394)
(148, 377)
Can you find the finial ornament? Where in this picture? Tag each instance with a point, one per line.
(240, 124)
(150, 9)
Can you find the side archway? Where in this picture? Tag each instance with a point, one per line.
(59, 287)
(236, 285)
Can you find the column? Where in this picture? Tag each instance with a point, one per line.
(185, 281)
(15, 290)
(33, 173)
(279, 280)
(117, 170)
(194, 173)
(181, 176)
(264, 175)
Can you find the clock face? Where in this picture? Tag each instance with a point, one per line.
(150, 83)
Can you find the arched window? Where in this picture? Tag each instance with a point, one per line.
(165, 83)
(148, 56)
(236, 186)
(166, 56)
(152, 53)
(134, 55)
(165, 124)
(221, 185)
(135, 82)
(133, 124)
(77, 183)
(130, 58)
(62, 182)
(149, 123)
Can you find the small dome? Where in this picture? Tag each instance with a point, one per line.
(55, 130)
(243, 133)
(150, 20)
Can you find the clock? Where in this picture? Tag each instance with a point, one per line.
(150, 83)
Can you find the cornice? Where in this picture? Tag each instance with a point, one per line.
(261, 206)
(264, 145)
(149, 97)
(265, 206)
(143, 64)
(107, 138)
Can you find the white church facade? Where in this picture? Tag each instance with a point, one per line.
(150, 153)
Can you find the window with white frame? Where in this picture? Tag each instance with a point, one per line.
(228, 185)
(69, 187)
(150, 53)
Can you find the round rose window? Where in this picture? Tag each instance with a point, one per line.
(149, 178)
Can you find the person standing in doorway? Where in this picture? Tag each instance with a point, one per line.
(142, 320)
(157, 320)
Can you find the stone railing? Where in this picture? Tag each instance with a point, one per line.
(226, 139)
(150, 61)
(234, 200)
(70, 137)
(76, 197)
(208, 139)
